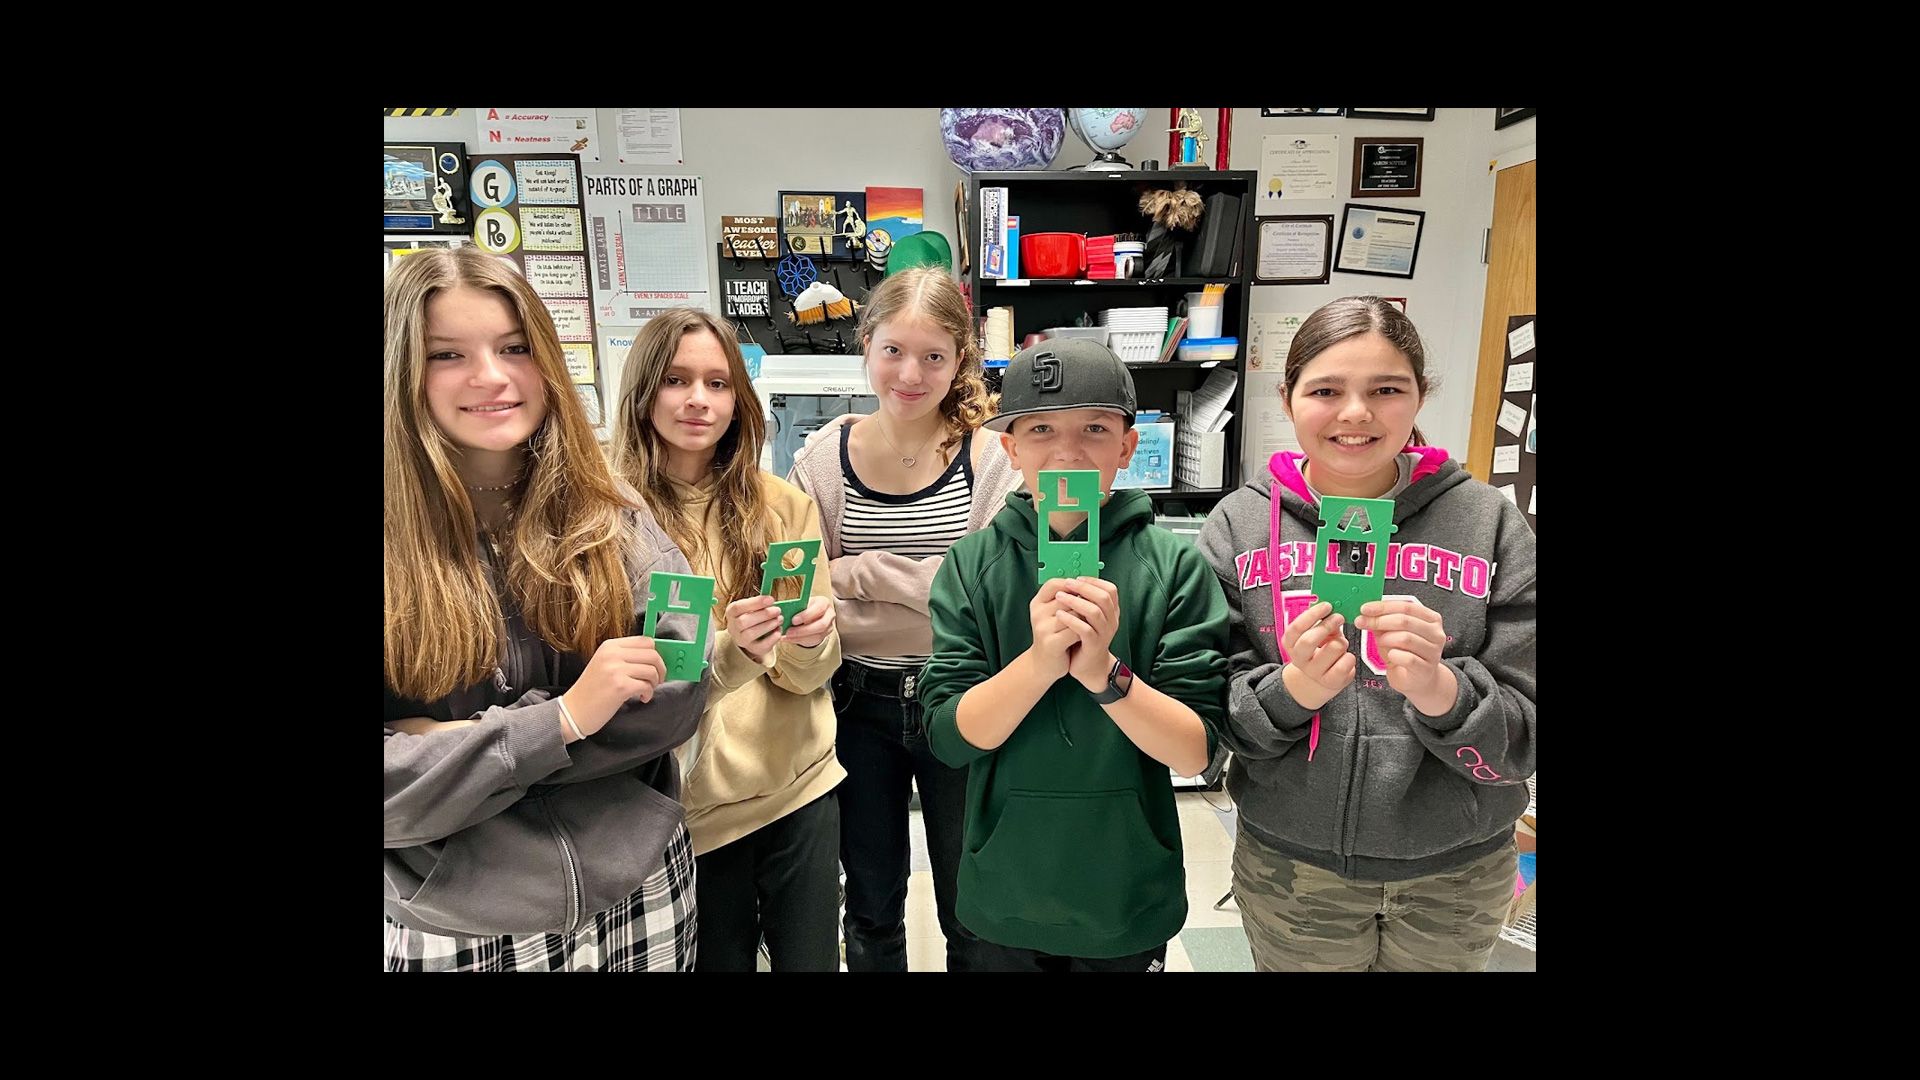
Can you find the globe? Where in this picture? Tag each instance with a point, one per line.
(1105, 131)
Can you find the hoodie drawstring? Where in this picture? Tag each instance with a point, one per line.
(1279, 608)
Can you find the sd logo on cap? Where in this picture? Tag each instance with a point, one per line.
(1064, 373)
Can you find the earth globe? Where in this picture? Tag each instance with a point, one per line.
(1105, 131)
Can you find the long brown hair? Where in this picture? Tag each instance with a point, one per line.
(565, 567)
(1351, 316)
(928, 294)
(640, 455)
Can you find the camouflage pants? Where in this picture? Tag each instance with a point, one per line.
(1301, 918)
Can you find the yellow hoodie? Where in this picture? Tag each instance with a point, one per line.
(765, 744)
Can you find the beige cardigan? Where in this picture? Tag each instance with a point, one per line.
(765, 744)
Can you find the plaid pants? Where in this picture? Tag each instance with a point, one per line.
(651, 930)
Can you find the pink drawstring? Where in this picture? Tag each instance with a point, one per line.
(1279, 609)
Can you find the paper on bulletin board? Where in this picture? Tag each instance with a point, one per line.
(1533, 406)
(1269, 336)
(1268, 431)
(649, 137)
(551, 228)
(1512, 417)
(556, 276)
(571, 320)
(539, 131)
(579, 361)
(547, 183)
(1520, 341)
(648, 241)
(615, 341)
(590, 397)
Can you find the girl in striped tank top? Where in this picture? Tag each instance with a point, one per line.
(895, 489)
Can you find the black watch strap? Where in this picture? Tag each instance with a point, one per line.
(1114, 691)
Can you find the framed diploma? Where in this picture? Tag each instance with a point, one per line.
(1379, 240)
(1293, 250)
(1390, 114)
(1503, 117)
(1387, 167)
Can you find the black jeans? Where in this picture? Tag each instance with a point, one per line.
(778, 880)
(993, 957)
(883, 746)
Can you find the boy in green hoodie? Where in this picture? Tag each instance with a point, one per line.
(1070, 700)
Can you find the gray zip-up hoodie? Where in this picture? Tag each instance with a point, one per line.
(501, 828)
(1367, 787)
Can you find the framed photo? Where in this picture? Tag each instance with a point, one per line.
(426, 188)
(1295, 249)
(1390, 114)
(807, 222)
(823, 224)
(1380, 240)
(1503, 117)
(1387, 166)
(1303, 112)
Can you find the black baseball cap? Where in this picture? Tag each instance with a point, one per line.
(1064, 373)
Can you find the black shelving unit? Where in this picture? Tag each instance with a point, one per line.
(1172, 365)
(1099, 204)
(1009, 285)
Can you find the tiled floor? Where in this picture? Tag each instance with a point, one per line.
(1211, 940)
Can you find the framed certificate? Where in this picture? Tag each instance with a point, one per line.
(1293, 250)
(1390, 114)
(1503, 117)
(1387, 167)
(1379, 240)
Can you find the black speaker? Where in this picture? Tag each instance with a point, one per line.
(1213, 246)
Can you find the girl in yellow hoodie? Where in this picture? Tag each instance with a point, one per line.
(760, 772)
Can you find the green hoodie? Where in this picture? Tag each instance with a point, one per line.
(1072, 838)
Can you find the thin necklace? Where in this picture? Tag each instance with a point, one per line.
(905, 459)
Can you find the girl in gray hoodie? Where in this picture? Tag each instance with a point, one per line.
(1378, 767)
(531, 821)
